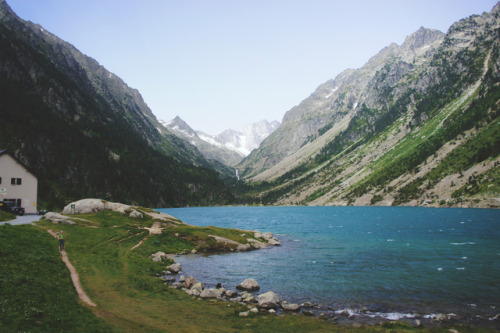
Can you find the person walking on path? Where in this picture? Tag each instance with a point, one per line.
(61, 240)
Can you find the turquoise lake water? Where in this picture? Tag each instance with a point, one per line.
(391, 260)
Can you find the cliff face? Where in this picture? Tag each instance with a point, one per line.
(405, 128)
(84, 132)
(337, 100)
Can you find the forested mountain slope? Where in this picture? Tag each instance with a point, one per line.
(84, 133)
(418, 124)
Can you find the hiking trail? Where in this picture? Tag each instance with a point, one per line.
(74, 276)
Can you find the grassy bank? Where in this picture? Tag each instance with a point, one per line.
(36, 292)
(122, 282)
(4, 216)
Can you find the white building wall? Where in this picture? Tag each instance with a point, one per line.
(26, 191)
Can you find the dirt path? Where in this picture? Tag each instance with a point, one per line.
(155, 229)
(74, 276)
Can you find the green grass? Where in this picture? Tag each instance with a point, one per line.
(122, 282)
(5, 216)
(36, 292)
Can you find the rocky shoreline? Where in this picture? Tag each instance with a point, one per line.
(248, 293)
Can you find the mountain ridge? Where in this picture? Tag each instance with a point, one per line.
(84, 132)
(420, 131)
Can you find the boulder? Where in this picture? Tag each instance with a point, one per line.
(257, 234)
(256, 244)
(158, 256)
(231, 293)
(197, 288)
(211, 293)
(136, 214)
(178, 285)
(268, 300)
(236, 299)
(267, 235)
(175, 268)
(290, 307)
(89, 206)
(190, 282)
(58, 218)
(243, 247)
(247, 297)
(182, 279)
(249, 285)
(274, 241)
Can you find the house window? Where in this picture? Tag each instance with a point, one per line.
(15, 181)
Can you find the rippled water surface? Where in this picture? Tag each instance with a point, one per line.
(388, 259)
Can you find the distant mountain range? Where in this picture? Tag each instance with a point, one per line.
(229, 146)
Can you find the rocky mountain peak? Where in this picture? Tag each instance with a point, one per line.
(422, 38)
(177, 124)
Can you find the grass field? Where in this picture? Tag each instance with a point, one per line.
(122, 282)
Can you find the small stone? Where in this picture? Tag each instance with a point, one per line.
(244, 314)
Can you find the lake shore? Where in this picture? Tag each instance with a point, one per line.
(330, 313)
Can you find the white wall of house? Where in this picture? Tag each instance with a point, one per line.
(18, 183)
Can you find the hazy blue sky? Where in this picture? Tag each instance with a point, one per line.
(226, 63)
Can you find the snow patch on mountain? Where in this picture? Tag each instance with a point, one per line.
(240, 141)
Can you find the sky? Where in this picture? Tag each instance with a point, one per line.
(222, 64)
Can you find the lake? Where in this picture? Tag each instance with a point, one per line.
(393, 261)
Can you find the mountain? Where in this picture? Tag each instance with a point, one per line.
(210, 151)
(417, 124)
(229, 146)
(84, 133)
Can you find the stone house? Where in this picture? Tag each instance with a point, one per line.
(17, 183)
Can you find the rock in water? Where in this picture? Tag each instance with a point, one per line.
(175, 268)
(249, 285)
(268, 300)
(290, 306)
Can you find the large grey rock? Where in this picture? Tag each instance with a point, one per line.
(197, 288)
(89, 206)
(249, 285)
(256, 244)
(175, 268)
(267, 235)
(246, 297)
(268, 300)
(244, 247)
(136, 214)
(211, 293)
(158, 256)
(290, 306)
(58, 218)
(189, 282)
